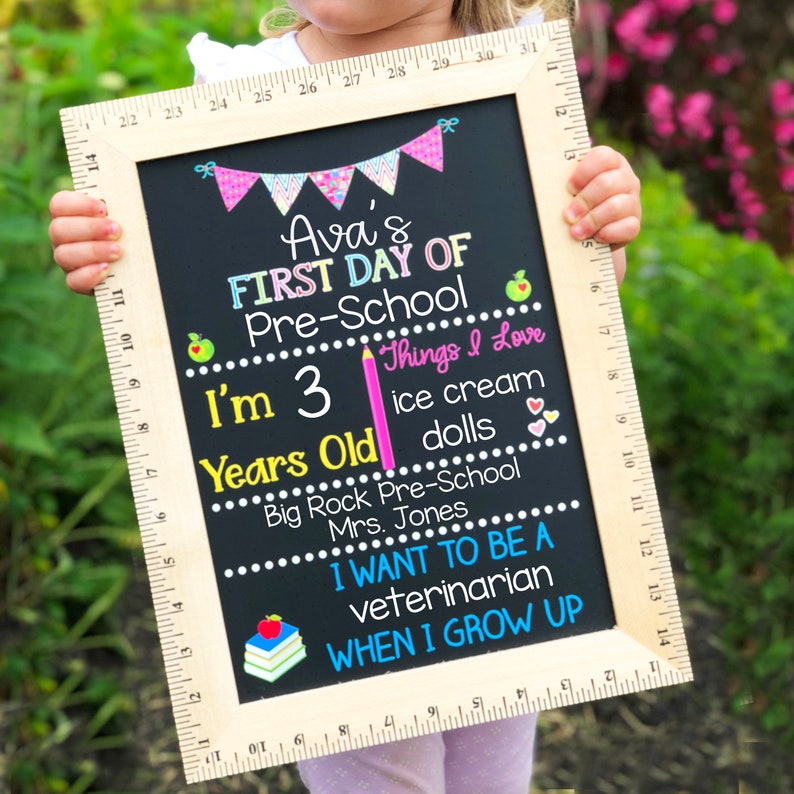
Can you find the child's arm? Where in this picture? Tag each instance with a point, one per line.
(606, 203)
(84, 240)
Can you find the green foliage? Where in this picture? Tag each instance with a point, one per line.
(67, 525)
(712, 337)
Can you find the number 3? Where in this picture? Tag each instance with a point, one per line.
(314, 389)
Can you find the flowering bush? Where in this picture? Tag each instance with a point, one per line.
(708, 87)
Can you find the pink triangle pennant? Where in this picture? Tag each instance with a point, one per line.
(334, 183)
(284, 189)
(233, 184)
(382, 170)
(427, 148)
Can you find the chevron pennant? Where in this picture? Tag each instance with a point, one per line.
(382, 170)
(233, 185)
(284, 189)
(427, 148)
(334, 183)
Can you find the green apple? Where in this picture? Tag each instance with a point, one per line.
(518, 289)
(200, 349)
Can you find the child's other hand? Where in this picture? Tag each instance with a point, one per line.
(84, 240)
(606, 203)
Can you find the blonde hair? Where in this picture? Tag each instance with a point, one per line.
(479, 16)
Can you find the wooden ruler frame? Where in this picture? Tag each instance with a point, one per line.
(647, 647)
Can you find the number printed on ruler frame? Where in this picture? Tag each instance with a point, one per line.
(379, 411)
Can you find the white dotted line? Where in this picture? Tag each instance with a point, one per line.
(377, 476)
(352, 341)
(402, 539)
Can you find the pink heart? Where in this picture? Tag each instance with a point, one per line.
(536, 406)
(537, 428)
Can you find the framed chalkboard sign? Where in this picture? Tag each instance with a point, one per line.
(378, 407)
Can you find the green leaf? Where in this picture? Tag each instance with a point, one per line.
(31, 358)
(21, 432)
(20, 229)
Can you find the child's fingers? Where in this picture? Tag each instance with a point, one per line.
(620, 232)
(596, 161)
(620, 213)
(74, 256)
(68, 202)
(601, 188)
(86, 278)
(66, 229)
(82, 247)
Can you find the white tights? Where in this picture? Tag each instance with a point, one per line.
(493, 758)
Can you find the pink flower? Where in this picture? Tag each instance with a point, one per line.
(584, 65)
(751, 234)
(734, 146)
(783, 132)
(706, 34)
(741, 152)
(633, 23)
(659, 100)
(723, 12)
(754, 208)
(657, 47)
(786, 176)
(738, 182)
(618, 66)
(731, 135)
(719, 64)
(693, 115)
(781, 97)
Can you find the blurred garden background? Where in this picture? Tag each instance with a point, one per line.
(700, 95)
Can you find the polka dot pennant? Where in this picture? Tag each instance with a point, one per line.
(427, 148)
(233, 185)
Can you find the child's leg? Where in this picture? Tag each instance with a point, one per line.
(410, 765)
(495, 757)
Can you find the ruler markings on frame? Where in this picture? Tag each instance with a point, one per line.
(197, 104)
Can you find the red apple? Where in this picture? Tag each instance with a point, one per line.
(270, 627)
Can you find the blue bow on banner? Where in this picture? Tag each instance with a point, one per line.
(206, 169)
(447, 124)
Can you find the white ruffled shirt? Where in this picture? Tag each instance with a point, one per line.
(214, 61)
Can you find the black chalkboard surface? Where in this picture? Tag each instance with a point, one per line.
(378, 407)
(475, 531)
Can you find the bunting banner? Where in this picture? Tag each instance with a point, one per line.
(382, 170)
(333, 183)
(284, 188)
(234, 185)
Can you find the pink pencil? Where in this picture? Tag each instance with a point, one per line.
(378, 411)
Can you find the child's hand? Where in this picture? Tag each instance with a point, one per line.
(84, 240)
(606, 203)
